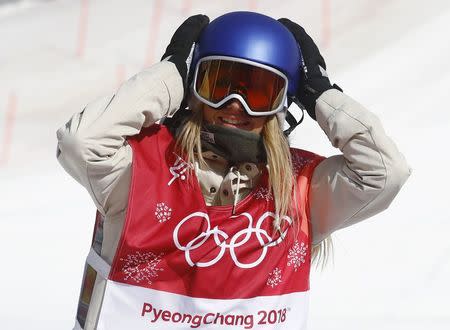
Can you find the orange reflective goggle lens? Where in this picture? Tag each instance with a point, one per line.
(262, 90)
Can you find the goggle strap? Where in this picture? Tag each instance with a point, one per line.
(291, 120)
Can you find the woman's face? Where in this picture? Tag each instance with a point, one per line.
(233, 115)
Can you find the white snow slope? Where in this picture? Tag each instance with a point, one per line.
(390, 272)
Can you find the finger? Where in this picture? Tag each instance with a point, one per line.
(186, 34)
(298, 31)
(191, 28)
(307, 44)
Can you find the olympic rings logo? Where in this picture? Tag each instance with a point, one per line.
(237, 240)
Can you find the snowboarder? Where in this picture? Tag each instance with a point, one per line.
(209, 219)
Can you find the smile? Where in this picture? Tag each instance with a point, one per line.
(233, 121)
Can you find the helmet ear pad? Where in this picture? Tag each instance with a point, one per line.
(193, 103)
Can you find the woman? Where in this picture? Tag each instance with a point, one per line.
(209, 219)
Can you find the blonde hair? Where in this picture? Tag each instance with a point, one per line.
(281, 177)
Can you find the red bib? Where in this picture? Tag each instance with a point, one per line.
(181, 264)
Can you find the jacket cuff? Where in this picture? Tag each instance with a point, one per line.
(327, 104)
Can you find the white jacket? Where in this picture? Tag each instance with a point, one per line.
(346, 189)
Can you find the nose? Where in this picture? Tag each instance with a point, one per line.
(234, 106)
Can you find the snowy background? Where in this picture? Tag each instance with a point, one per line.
(390, 272)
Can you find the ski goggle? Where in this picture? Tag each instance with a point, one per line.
(262, 90)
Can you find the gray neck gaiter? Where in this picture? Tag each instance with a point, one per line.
(235, 145)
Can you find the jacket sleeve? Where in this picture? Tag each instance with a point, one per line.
(364, 179)
(92, 146)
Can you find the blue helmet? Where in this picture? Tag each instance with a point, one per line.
(254, 37)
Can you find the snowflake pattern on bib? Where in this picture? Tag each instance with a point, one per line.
(163, 212)
(274, 277)
(141, 266)
(264, 193)
(298, 162)
(296, 255)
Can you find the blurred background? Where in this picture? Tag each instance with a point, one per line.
(389, 272)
